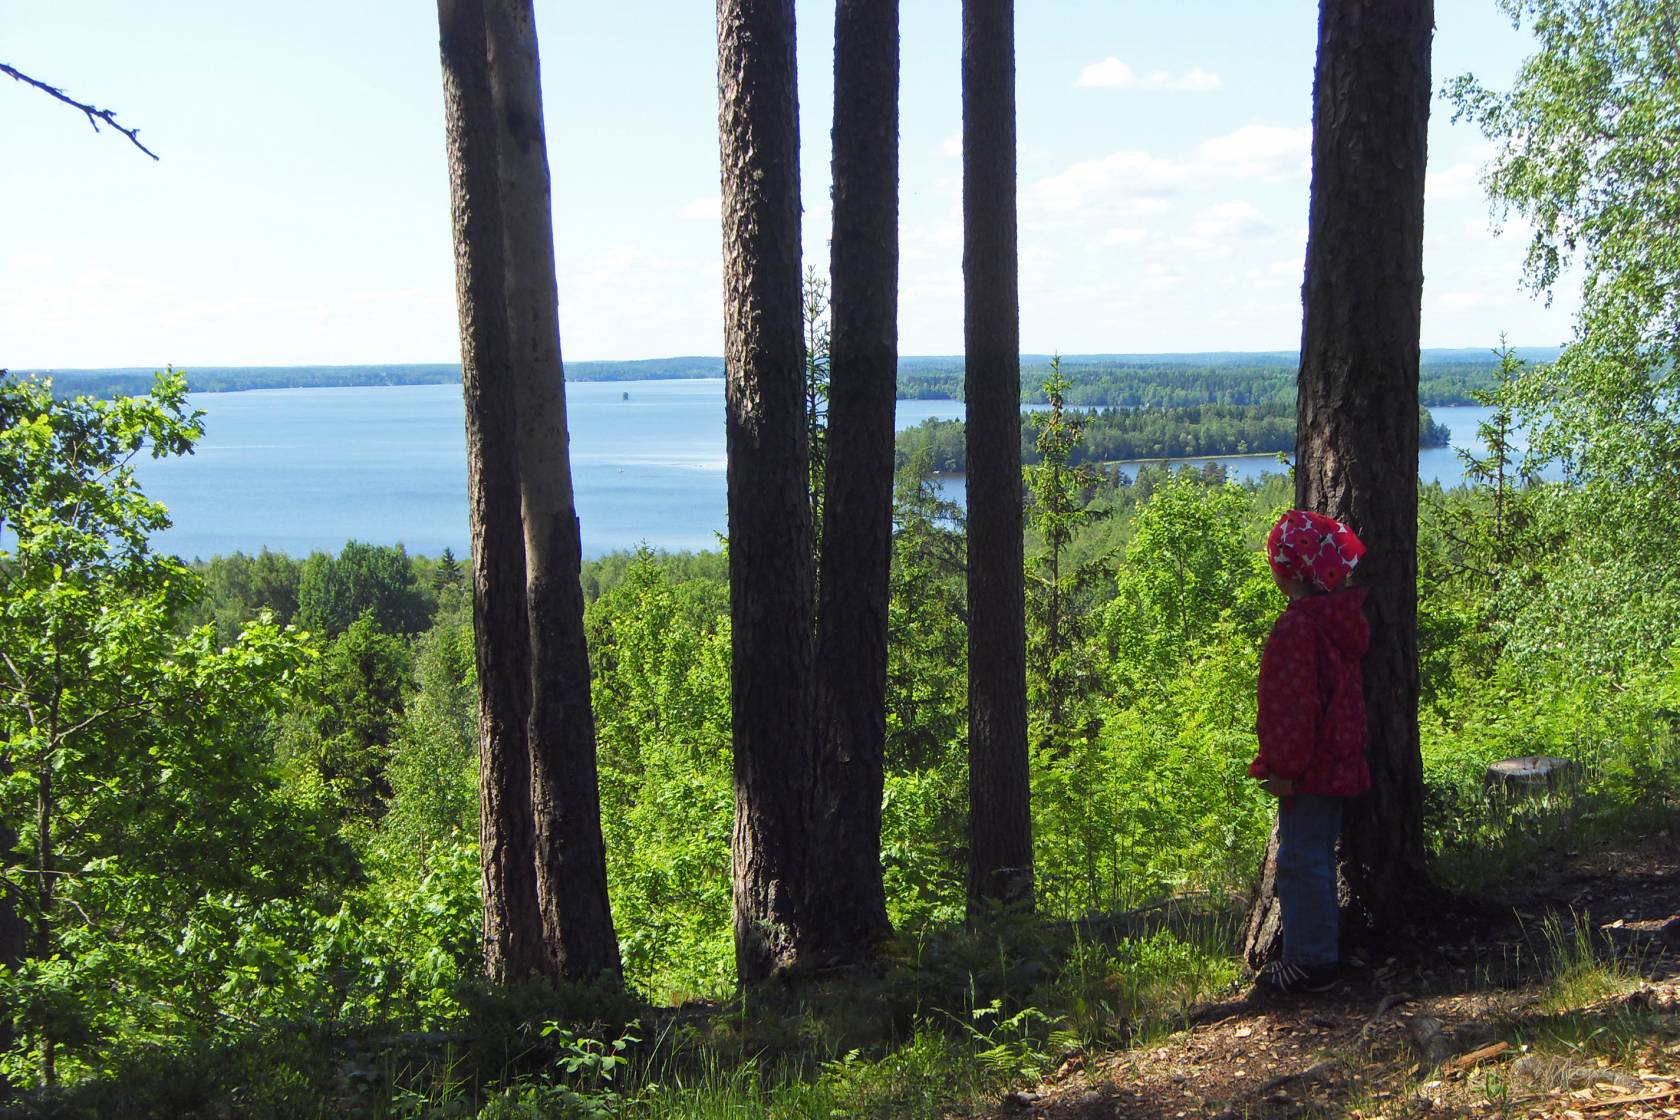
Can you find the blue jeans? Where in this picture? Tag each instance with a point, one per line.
(1308, 826)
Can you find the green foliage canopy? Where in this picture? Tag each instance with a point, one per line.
(333, 591)
(1587, 139)
(128, 780)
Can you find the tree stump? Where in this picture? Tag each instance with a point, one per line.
(1526, 776)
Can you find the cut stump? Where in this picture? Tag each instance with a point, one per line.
(1526, 776)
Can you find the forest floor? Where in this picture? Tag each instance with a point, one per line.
(1557, 996)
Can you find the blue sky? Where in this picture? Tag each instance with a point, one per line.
(300, 212)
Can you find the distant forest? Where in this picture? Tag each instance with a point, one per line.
(1115, 435)
(1447, 377)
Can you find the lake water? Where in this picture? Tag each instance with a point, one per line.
(299, 470)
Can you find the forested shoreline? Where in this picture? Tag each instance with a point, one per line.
(1113, 435)
(1100, 380)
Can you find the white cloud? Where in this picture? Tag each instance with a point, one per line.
(1163, 275)
(923, 239)
(1458, 180)
(1123, 235)
(933, 285)
(1114, 179)
(1286, 266)
(1207, 250)
(1238, 218)
(709, 206)
(952, 145)
(1458, 301)
(1111, 73)
(1135, 182)
(1259, 151)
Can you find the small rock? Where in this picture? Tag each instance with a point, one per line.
(1020, 1098)
(1670, 934)
(1178, 1079)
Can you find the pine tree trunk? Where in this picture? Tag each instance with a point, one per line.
(769, 511)
(1000, 821)
(46, 882)
(566, 809)
(849, 909)
(14, 928)
(1357, 411)
(513, 934)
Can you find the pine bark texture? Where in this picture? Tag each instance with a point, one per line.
(769, 512)
(513, 933)
(848, 915)
(1357, 412)
(1000, 822)
(14, 927)
(566, 806)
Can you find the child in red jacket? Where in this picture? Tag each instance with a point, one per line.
(1312, 734)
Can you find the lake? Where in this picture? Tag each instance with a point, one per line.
(301, 470)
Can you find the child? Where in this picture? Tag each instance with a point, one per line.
(1312, 735)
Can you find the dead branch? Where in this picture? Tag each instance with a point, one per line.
(1466, 1062)
(1387, 1004)
(94, 115)
(1617, 1102)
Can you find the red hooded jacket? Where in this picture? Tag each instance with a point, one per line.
(1312, 696)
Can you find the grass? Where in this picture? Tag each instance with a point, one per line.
(1581, 969)
(944, 1025)
(947, 1024)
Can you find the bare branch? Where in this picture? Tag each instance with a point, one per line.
(23, 689)
(94, 115)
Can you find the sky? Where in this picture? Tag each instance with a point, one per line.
(300, 211)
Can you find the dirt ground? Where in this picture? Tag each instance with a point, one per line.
(1457, 1023)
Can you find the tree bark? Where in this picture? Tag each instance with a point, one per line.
(513, 930)
(565, 797)
(14, 927)
(45, 870)
(1000, 821)
(769, 512)
(1357, 409)
(849, 906)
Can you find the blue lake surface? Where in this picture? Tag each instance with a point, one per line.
(301, 470)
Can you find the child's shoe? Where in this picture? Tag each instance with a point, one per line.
(1287, 977)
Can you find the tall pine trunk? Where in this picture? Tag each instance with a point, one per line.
(769, 512)
(848, 915)
(566, 810)
(1000, 858)
(1357, 411)
(513, 931)
(14, 926)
